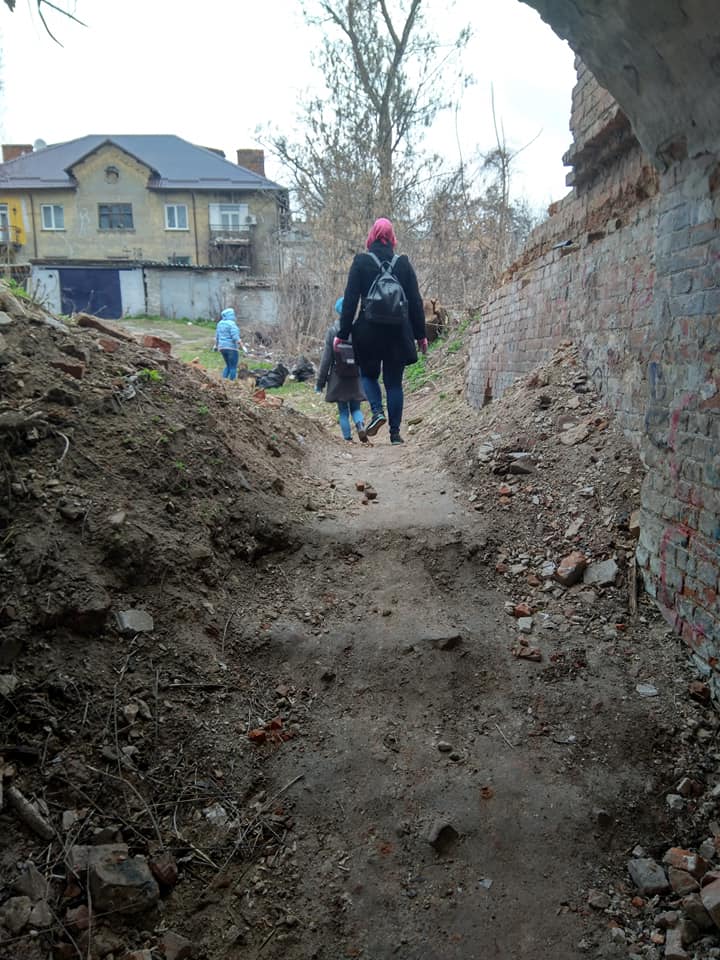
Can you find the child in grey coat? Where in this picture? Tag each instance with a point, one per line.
(343, 389)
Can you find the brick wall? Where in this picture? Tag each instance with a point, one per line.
(628, 266)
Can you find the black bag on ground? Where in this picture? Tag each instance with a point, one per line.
(386, 303)
(303, 370)
(345, 363)
(273, 378)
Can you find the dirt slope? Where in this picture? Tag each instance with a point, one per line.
(330, 743)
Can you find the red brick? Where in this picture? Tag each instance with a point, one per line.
(107, 345)
(76, 369)
(157, 343)
(108, 329)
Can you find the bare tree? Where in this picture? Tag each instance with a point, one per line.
(42, 5)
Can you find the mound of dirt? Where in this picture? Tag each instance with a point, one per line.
(143, 507)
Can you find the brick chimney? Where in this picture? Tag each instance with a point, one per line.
(252, 160)
(11, 151)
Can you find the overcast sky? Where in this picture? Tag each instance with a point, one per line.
(214, 72)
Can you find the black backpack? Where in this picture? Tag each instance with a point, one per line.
(345, 363)
(386, 303)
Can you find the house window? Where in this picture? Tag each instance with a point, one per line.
(4, 224)
(229, 216)
(115, 216)
(176, 216)
(179, 261)
(53, 216)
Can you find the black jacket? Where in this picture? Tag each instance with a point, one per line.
(374, 343)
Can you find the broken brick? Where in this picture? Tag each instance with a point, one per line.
(108, 345)
(76, 369)
(157, 343)
(95, 323)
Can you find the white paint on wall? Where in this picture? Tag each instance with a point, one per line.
(132, 292)
(44, 284)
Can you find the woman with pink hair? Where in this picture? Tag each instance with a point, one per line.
(382, 347)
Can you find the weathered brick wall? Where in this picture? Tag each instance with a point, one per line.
(628, 266)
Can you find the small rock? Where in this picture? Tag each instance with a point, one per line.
(685, 787)
(598, 900)
(15, 914)
(574, 435)
(134, 621)
(681, 882)
(41, 915)
(692, 907)
(547, 570)
(165, 869)
(176, 947)
(72, 510)
(525, 624)
(107, 835)
(570, 569)
(117, 519)
(444, 747)
(31, 883)
(648, 876)
(8, 682)
(601, 574)
(121, 884)
(710, 895)
(78, 918)
(674, 949)
(686, 860)
(574, 528)
(441, 835)
(603, 819)
(675, 803)
(646, 690)
(634, 523)
(520, 609)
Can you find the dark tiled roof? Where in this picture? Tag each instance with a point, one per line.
(176, 164)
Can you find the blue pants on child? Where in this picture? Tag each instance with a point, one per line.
(231, 358)
(346, 408)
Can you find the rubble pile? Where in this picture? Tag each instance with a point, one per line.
(142, 507)
(549, 469)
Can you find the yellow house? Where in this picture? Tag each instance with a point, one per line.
(142, 198)
(103, 218)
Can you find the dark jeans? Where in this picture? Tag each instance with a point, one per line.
(392, 374)
(231, 358)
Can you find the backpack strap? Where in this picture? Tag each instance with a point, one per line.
(377, 261)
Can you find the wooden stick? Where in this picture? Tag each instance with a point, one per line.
(26, 812)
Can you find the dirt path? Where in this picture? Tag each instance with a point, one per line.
(409, 728)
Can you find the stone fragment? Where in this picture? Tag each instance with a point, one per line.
(175, 947)
(444, 747)
(646, 689)
(634, 523)
(72, 509)
(602, 574)
(675, 803)
(648, 876)
(111, 834)
(574, 435)
(574, 528)
(598, 900)
(441, 835)
(692, 907)
(165, 870)
(525, 624)
(521, 610)
(681, 882)
(157, 343)
(686, 860)
(15, 913)
(120, 883)
(31, 883)
(570, 569)
(41, 915)
(5, 319)
(117, 519)
(134, 621)
(674, 949)
(78, 918)
(60, 395)
(710, 896)
(8, 682)
(108, 329)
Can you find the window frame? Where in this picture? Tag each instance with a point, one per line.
(53, 207)
(175, 207)
(112, 211)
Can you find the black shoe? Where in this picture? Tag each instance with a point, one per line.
(362, 433)
(378, 419)
(396, 438)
